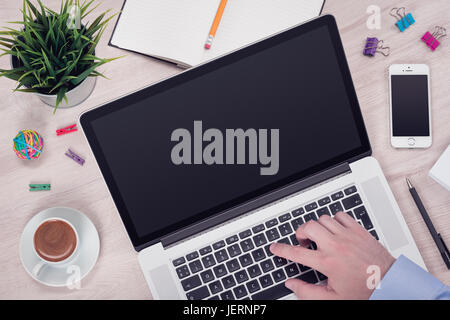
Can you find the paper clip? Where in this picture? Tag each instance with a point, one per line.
(75, 157)
(374, 45)
(431, 39)
(66, 130)
(403, 20)
(39, 187)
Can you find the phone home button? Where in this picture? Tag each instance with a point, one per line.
(411, 141)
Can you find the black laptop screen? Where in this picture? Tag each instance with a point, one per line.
(165, 174)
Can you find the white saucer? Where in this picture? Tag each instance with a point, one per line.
(87, 254)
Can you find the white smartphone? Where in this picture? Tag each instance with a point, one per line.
(410, 107)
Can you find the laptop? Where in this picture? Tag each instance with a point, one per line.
(209, 167)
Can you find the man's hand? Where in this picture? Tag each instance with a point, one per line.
(344, 252)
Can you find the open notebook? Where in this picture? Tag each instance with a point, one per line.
(176, 30)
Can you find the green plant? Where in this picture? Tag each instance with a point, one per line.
(51, 56)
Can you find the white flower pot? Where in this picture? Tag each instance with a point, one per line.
(74, 97)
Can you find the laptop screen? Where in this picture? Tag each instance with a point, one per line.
(207, 141)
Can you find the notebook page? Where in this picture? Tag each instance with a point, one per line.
(441, 169)
(174, 30)
(246, 21)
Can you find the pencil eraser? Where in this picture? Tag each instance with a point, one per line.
(207, 46)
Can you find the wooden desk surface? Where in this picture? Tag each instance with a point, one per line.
(117, 274)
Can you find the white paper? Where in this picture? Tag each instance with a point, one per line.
(176, 30)
(441, 170)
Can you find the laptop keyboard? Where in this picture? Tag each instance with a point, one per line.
(242, 267)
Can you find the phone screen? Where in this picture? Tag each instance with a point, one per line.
(410, 116)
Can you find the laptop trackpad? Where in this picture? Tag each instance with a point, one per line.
(163, 282)
(384, 214)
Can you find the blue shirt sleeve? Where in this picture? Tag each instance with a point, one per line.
(407, 281)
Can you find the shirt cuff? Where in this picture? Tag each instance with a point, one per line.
(407, 281)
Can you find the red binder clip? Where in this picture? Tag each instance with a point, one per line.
(66, 130)
(431, 39)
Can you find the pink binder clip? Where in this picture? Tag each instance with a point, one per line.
(431, 39)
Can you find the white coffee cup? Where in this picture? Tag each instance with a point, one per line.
(44, 262)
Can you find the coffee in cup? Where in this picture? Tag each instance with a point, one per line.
(55, 240)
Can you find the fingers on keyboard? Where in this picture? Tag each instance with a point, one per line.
(242, 266)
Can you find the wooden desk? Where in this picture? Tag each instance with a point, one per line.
(117, 274)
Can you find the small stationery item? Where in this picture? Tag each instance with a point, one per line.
(443, 249)
(40, 187)
(28, 144)
(215, 25)
(440, 172)
(403, 20)
(374, 45)
(66, 130)
(75, 157)
(431, 39)
(176, 30)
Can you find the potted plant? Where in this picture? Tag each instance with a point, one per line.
(53, 54)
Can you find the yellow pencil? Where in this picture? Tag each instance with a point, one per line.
(215, 24)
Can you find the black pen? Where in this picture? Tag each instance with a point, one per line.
(436, 236)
